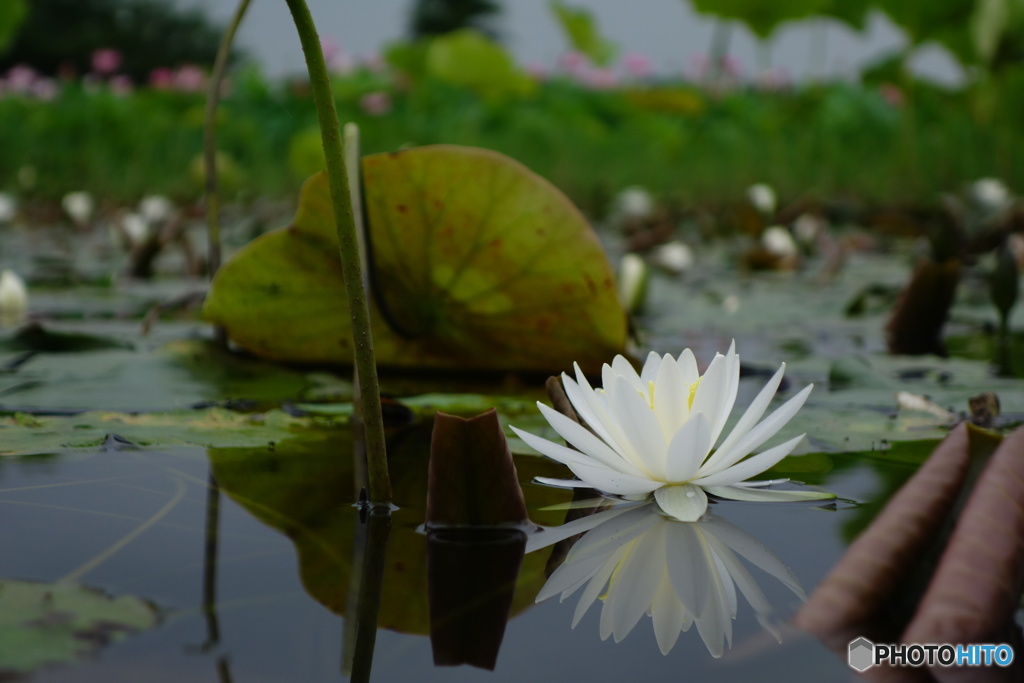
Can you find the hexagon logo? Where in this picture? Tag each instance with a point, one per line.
(862, 654)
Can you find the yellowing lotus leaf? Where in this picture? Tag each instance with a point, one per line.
(476, 263)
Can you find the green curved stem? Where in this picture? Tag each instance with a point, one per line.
(337, 178)
(220, 66)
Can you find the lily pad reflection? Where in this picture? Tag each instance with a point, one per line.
(681, 574)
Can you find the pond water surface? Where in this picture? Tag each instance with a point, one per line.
(283, 526)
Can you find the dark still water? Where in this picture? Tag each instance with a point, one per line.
(251, 583)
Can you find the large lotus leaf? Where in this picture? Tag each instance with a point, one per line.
(52, 623)
(478, 257)
(477, 261)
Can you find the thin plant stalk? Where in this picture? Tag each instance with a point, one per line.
(348, 243)
(210, 564)
(220, 66)
(371, 584)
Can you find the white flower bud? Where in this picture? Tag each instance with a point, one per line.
(8, 208)
(634, 202)
(155, 208)
(778, 241)
(78, 206)
(762, 197)
(13, 299)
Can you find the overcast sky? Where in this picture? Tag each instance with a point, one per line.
(669, 32)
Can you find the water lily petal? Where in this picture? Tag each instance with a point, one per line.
(649, 372)
(686, 503)
(727, 583)
(570, 577)
(740, 576)
(614, 533)
(592, 472)
(634, 583)
(751, 466)
(555, 451)
(686, 566)
(610, 481)
(624, 369)
(596, 585)
(759, 434)
(758, 495)
(552, 535)
(717, 391)
(688, 449)
(668, 615)
(750, 417)
(671, 397)
(714, 622)
(594, 411)
(563, 483)
(583, 440)
(641, 428)
(754, 551)
(688, 365)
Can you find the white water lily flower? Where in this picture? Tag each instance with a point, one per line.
(656, 433)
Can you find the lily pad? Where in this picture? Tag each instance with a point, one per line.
(179, 374)
(23, 434)
(477, 263)
(53, 623)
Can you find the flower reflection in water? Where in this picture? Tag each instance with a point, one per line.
(681, 574)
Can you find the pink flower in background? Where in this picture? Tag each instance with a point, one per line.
(121, 85)
(341, 63)
(892, 95)
(376, 103)
(699, 66)
(601, 79)
(45, 89)
(161, 78)
(106, 60)
(638, 66)
(190, 78)
(775, 78)
(730, 66)
(20, 79)
(329, 47)
(573, 63)
(536, 70)
(373, 62)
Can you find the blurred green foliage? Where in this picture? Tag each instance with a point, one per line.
(895, 144)
(12, 13)
(580, 28)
